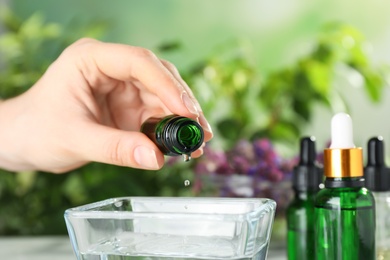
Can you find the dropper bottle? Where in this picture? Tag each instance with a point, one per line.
(344, 209)
(307, 177)
(174, 135)
(377, 176)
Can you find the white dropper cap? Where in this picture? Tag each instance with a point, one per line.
(342, 132)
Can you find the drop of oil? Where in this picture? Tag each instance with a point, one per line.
(186, 157)
(187, 183)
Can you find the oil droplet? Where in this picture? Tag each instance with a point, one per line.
(187, 183)
(186, 157)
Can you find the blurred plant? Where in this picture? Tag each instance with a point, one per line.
(34, 202)
(249, 169)
(257, 159)
(29, 46)
(254, 162)
(241, 103)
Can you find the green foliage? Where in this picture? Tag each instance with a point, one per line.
(239, 101)
(243, 103)
(28, 47)
(34, 202)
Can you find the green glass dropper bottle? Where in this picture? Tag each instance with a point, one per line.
(307, 177)
(344, 209)
(174, 135)
(377, 176)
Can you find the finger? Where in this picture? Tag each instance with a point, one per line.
(118, 147)
(175, 72)
(198, 152)
(126, 63)
(202, 119)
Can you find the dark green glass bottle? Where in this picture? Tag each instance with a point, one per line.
(344, 209)
(377, 176)
(174, 135)
(307, 177)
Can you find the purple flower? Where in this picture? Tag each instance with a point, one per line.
(275, 175)
(212, 162)
(252, 169)
(240, 164)
(245, 149)
(224, 168)
(262, 147)
(258, 159)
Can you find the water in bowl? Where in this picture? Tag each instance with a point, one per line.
(134, 246)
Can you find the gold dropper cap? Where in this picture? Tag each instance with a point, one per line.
(341, 163)
(342, 159)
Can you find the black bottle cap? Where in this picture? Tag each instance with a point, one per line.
(376, 173)
(307, 175)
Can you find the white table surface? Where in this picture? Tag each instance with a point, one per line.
(59, 248)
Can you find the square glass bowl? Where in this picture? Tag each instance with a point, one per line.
(171, 228)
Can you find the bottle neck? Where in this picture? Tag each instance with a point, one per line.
(346, 182)
(174, 135)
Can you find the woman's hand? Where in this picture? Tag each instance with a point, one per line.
(89, 106)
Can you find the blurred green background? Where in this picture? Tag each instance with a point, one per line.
(269, 69)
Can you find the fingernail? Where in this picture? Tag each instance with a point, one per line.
(146, 157)
(189, 104)
(204, 123)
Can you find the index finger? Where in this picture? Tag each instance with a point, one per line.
(126, 63)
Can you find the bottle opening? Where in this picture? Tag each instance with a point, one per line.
(189, 136)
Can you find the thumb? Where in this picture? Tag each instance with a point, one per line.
(119, 147)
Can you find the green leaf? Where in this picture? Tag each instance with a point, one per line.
(51, 31)
(319, 75)
(374, 84)
(229, 128)
(10, 21)
(169, 46)
(32, 27)
(74, 189)
(285, 131)
(10, 46)
(25, 181)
